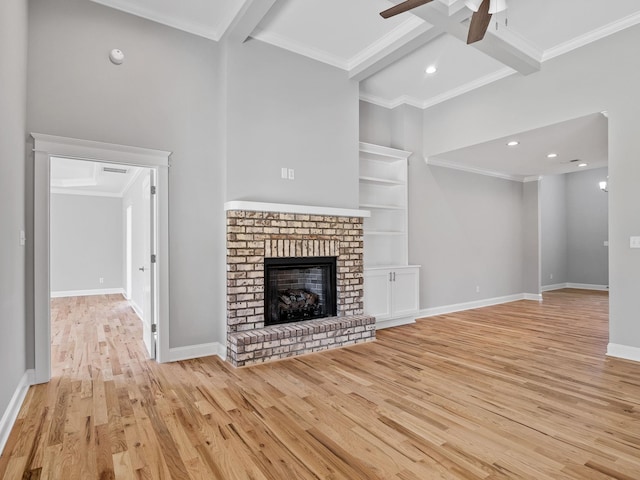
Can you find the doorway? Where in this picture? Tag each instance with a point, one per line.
(47, 147)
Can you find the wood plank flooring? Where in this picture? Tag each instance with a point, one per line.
(521, 390)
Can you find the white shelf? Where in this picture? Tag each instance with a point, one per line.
(290, 208)
(381, 181)
(381, 207)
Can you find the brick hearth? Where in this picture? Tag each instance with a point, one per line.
(254, 235)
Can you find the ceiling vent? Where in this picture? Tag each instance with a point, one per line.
(114, 170)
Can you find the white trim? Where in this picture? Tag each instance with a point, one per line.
(47, 146)
(533, 178)
(459, 307)
(623, 351)
(63, 191)
(469, 86)
(87, 293)
(588, 286)
(578, 286)
(394, 322)
(381, 102)
(300, 48)
(393, 154)
(406, 28)
(536, 297)
(289, 208)
(136, 308)
(196, 351)
(150, 14)
(11, 413)
(555, 286)
(592, 36)
(464, 168)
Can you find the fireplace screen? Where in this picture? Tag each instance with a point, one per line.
(299, 289)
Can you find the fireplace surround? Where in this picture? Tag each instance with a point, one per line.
(259, 233)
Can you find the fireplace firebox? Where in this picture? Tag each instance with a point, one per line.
(298, 289)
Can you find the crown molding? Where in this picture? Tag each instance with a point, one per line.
(297, 47)
(454, 166)
(381, 102)
(189, 27)
(85, 193)
(597, 34)
(468, 87)
(405, 28)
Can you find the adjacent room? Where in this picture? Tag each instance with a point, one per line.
(319, 240)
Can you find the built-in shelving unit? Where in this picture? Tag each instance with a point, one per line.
(391, 285)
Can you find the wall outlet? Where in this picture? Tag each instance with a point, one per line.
(284, 172)
(23, 238)
(551, 276)
(477, 288)
(291, 174)
(101, 279)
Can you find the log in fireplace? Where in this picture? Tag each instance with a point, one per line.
(299, 289)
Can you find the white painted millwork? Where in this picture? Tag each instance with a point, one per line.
(391, 292)
(289, 208)
(48, 146)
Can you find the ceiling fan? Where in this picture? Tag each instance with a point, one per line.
(482, 11)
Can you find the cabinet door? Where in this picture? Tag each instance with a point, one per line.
(405, 292)
(377, 293)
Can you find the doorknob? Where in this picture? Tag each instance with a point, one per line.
(141, 269)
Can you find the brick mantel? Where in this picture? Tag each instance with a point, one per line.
(253, 235)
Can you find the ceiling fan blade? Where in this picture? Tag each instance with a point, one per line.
(479, 23)
(402, 7)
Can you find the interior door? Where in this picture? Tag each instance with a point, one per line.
(149, 267)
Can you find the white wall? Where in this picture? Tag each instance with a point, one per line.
(569, 87)
(286, 110)
(86, 243)
(134, 197)
(164, 97)
(13, 70)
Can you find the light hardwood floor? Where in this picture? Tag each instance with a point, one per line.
(520, 390)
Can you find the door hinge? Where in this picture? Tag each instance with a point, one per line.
(153, 258)
(153, 189)
(154, 328)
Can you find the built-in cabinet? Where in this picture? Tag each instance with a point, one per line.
(391, 285)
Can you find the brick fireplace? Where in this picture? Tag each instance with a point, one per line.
(256, 231)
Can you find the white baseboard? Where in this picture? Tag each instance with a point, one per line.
(536, 297)
(196, 351)
(137, 309)
(579, 286)
(555, 286)
(623, 351)
(11, 413)
(394, 322)
(459, 307)
(85, 293)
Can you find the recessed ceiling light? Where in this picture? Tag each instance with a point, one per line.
(552, 155)
(431, 69)
(582, 164)
(513, 143)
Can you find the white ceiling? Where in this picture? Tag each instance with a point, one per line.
(81, 177)
(388, 57)
(578, 141)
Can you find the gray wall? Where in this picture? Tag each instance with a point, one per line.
(286, 110)
(553, 215)
(531, 238)
(86, 242)
(587, 224)
(13, 71)
(134, 197)
(465, 230)
(165, 97)
(569, 87)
